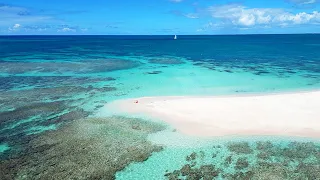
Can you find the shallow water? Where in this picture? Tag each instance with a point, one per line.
(226, 155)
(48, 81)
(4, 147)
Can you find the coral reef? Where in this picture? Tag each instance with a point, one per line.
(240, 148)
(262, 160)
(11, 82)
(205, 172)
(242, 163)
(33, 104)
(80, 67)
(83, 149)
(166, 60)
(154, 72)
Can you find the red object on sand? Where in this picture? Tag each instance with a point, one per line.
(136, 101)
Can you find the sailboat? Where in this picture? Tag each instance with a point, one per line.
(175, 37)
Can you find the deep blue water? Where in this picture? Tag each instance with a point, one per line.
(298, 52)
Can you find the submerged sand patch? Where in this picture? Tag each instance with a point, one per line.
(93, 148)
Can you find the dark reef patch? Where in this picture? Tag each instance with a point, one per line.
(241, 163)
(83, 149)
(198, 63)
(10, 82)
(191, 171)
(264, 145)
(240, 148)
(228, 161)
(192, 157)
(17, 129)
(74, 114)
(228, 71)
(81, 67)
(312, 76)
(166, 61)
(296, 160)
(205, 172)
(261, 72)
(240, 91)
(291, 72)
(38, 109)
(154, 72)
(44, 103)
(19, 98)
(211, 68)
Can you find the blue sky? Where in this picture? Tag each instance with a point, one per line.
(150, 17)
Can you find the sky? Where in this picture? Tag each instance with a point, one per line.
(157, 17)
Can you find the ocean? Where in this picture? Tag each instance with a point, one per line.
(50, 83)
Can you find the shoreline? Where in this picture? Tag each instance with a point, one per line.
(235, 94)
(294, 114)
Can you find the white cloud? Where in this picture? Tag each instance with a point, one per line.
(191, 16)
(67, 29)
(247, 19)
(309, 2)
(16, 26)
(304, 2)
(242, 16)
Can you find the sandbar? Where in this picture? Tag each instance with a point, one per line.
(287, 114)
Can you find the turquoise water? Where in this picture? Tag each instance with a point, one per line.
(216, 153)
(4, 147)
(48, 81)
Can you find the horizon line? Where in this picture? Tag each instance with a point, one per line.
(153, 34)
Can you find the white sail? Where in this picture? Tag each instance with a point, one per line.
(175, 36)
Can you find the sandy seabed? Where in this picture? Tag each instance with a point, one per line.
(287, 114)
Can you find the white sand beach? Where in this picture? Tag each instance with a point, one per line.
(288, 114)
